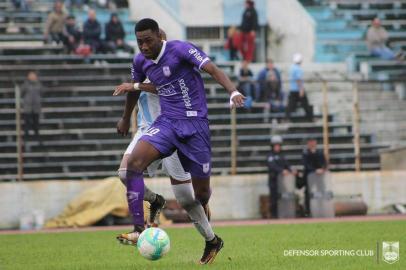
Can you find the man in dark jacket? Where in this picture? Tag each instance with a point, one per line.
(92, 31)
(72, 34)
(115, 35)
(270, 86)
(277, 165)
(31, 95)
(248, 27)
(313, 162)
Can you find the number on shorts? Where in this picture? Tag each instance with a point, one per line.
(152, 131)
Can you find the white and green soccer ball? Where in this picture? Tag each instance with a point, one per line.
(153, 243)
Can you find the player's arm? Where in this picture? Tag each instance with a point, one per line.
(236, 98)
(123, 125)
(134, 87)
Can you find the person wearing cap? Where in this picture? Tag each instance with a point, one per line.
(297, 91)
(277, 164)
(313, 162)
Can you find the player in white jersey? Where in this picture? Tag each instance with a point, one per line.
(148, 110)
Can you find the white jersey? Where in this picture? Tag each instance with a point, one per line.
(148, 110)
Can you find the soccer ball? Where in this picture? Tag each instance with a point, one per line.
(153, 243)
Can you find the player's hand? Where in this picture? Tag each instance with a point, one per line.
(302, 93)
(236, 100)
(123, 126)
(123, 88)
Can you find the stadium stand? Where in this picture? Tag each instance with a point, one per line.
(79, 114)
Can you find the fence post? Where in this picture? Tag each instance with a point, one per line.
(326, 142)
(356, 128)
(20, 167)
(233, 141)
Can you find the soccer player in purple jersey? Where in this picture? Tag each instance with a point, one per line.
(173, 69)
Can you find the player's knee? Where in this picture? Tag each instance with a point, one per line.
(136, 163)
(203, 195)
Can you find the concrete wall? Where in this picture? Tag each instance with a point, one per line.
(234, 197)
(202, 13)
(393, 159)
(165, 17)
(293, 27)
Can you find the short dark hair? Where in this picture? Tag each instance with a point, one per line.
(147, 24)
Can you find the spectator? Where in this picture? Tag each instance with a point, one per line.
(115, 35)
(233, 42)
(92, 31)
(313, 162)
(72, 34)
(55, 24)
(277, 165)
(377, 37)
(297, 90)
(248, 27)
(31, 95)
(246, 84)
(269, 85)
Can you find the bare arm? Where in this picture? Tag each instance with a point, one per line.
(224, 81)
(130, 101)
(129, 87)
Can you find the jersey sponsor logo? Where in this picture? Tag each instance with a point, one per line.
(166, 71)
(191, 113)
(166, 90)
(152, 131)
(185, 94)
(196, 54)
(206, 167)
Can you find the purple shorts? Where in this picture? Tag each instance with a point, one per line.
(191, 137)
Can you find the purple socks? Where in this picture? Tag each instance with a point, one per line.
(135, 196)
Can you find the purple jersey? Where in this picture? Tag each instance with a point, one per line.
(176, 75)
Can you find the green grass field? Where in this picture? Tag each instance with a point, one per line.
(246, 247)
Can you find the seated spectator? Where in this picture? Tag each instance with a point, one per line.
(313, 162)
(277, 164)
(246, 84)
(72, 34)
(55, 24)
(377, 37)
(115, 35)
(297, 92)
(269, 85)
(92, 31)
(233, 42)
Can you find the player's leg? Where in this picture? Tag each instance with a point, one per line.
(184, 193)
(131, 175)
(157, 201)
(200, 172)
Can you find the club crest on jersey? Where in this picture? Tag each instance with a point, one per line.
(166, 71)
(206, 167)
